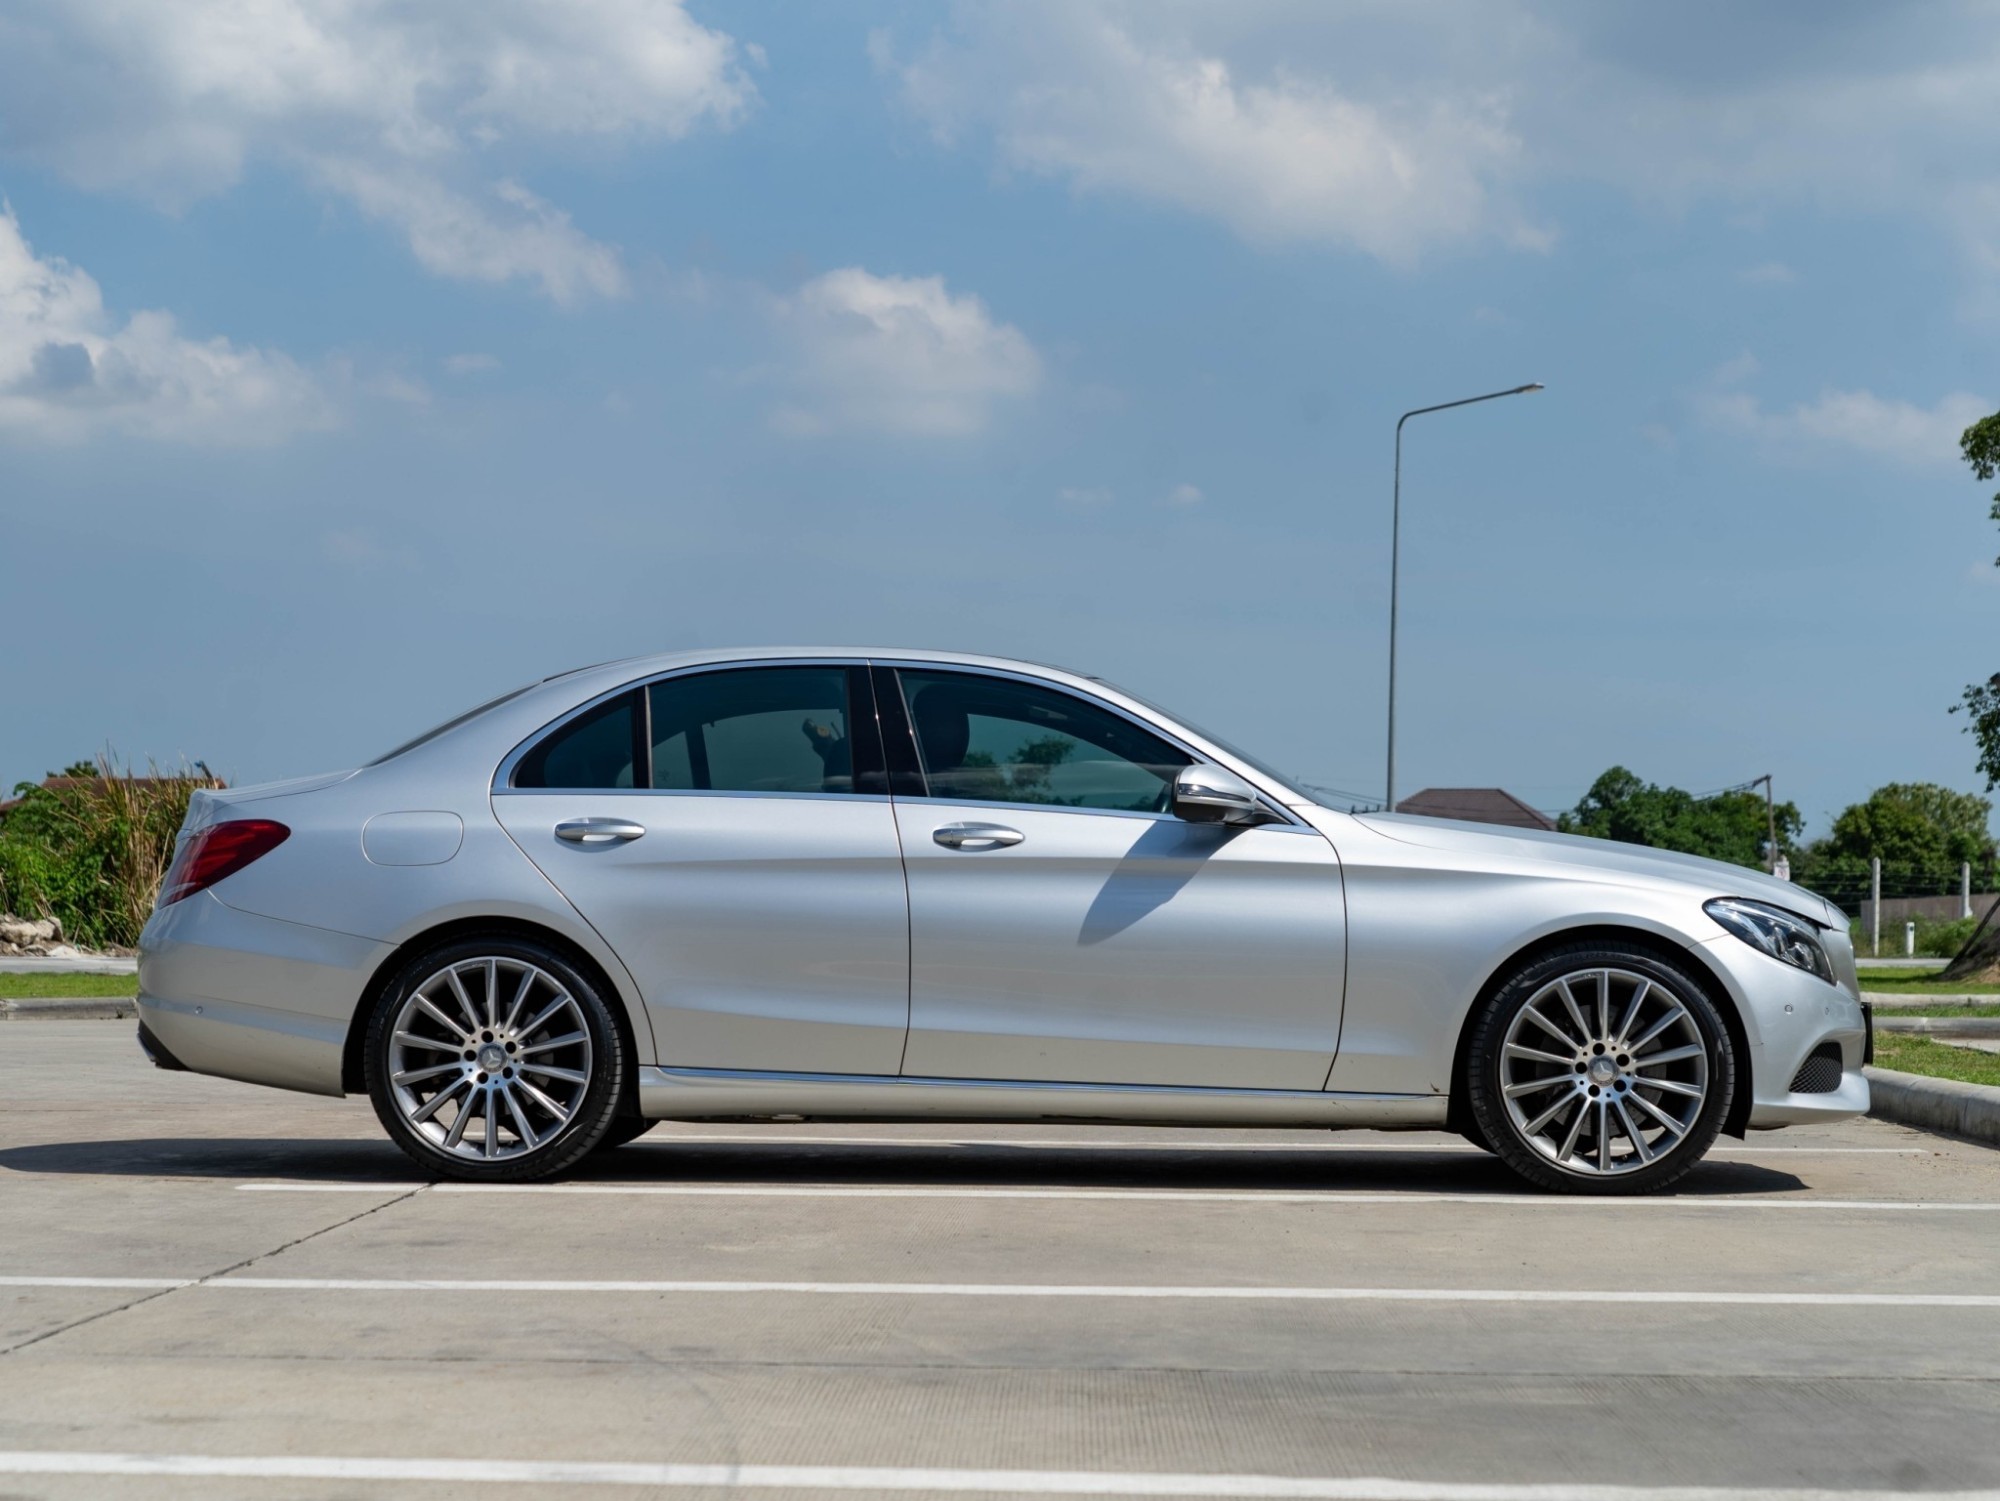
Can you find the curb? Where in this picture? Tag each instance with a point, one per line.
(1941, 1026)
(1970, 1110)
(70, 1009)
(1903, 1000)
(76, 964)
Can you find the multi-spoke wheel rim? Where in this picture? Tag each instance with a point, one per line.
(489, 1058)
(1604, 1071)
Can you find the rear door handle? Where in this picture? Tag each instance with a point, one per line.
(598, 830)
(977, 836)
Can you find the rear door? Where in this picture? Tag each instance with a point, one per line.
(1067, 926)
(728, 832)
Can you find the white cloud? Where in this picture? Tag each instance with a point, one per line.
(70, 370)
(512, 235)
(404, 111)
(896, 354)
(1075, 92)
(1184, 496)
(1397, 128)
(471, 364)
(1857, 421)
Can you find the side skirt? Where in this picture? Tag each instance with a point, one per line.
(701, 1094)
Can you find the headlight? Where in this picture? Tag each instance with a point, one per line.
(1787, 938)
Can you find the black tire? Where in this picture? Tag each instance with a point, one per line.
(623, 1130)
(594, 1067)
(1595, 1091)
(1471, 1132)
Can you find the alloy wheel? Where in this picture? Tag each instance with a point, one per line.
(1604, 1071)
(489, 1058)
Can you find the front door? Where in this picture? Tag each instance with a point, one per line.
(1066, 926)
(710, 826)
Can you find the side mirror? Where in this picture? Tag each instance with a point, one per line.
(1213, 794)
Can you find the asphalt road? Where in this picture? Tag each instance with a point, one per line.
(805, 1311)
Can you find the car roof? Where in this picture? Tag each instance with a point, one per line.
(644, 666)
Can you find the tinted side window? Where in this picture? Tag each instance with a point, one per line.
(596, 750)
(755, 729)
(996, 740)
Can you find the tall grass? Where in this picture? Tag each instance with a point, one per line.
(92, 854)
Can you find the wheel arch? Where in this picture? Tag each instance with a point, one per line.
(352, 1073)
(1691, 960)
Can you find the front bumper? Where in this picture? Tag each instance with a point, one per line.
(1788, 1014)
(253, 998)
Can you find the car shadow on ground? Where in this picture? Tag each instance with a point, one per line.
(662, 1160)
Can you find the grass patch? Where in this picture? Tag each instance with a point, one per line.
(1900, 982)
(1939, 1011)
(1915, 1054)
(15, 987)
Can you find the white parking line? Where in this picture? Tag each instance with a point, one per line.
(1038, 1290)
(1334, 1197)
(742, 1477)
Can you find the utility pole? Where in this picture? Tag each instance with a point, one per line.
(1965, 888)
(1875, 906)
(1770, 821)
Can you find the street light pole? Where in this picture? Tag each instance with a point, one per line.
(1396, 550)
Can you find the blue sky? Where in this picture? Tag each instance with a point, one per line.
(360, 361)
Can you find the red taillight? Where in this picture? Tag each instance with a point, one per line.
(219, 850)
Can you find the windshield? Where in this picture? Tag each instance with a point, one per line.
(452, 724)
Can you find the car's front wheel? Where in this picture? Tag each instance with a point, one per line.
(494, 1060)
(1600, 1069)
(624, 1130)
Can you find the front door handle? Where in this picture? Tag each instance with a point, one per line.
(977, 836)
(598, 830)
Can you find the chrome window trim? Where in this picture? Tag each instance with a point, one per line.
(1194, 753)
(829, 797)
(503, 776)
(1289, 826)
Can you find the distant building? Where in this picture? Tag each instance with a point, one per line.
(1476, 805)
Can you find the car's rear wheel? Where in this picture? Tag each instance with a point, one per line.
(1601, 1069)
(494, 1060)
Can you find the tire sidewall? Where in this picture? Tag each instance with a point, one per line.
(586, 1127)
(1484, 1074)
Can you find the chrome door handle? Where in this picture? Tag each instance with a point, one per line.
(977, 836)
(598, 830)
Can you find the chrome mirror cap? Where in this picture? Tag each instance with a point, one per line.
(1214, 794)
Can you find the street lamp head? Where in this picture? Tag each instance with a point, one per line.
(1533, 385)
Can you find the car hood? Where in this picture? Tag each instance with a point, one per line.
(1607, 856)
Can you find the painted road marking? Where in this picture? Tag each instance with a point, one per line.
(745, 1477)
(1225, 1293)
(1171, 1195)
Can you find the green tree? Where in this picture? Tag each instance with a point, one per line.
(1920, 832)
(1980, 703)
(1728, 826)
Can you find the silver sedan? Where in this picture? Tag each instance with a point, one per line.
(885, 885)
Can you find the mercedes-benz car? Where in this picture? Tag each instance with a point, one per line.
(852, 885)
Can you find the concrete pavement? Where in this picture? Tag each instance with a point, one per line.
(217, 1278)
